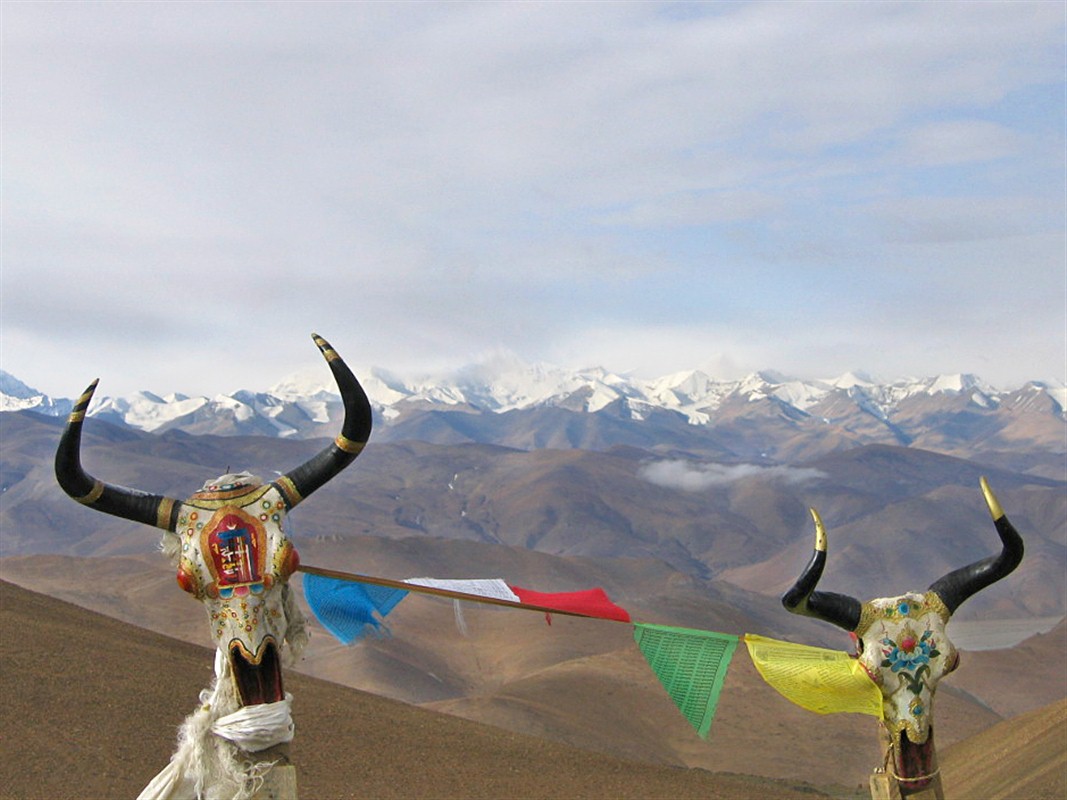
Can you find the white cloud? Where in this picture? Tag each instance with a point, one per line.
(958, 142)
(628, 183)
(692, 477)
(942, 220)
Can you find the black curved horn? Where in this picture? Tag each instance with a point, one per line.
(151, 509)
(837, 609)
(958, 585)
(297, 484)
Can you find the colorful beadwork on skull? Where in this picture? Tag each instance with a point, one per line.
(234, 549)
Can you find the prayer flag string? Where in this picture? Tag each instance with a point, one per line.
(690, 664)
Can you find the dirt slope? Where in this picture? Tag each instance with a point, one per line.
(90, 706)
(1023, 758)
(579, 682)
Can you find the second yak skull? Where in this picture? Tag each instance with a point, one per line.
(902, 641)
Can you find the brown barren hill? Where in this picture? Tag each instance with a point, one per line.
(1022, 678)
(90, 707)
(1023, 758)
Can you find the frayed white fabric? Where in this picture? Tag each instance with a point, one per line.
(170, 545)
(255, 728)
(461, 621)
(208, 764)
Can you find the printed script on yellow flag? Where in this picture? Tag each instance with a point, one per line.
(820, 680)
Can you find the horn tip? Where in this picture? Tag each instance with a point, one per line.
(991, 499)
(325, 348)
(86, 396)
(820, 531)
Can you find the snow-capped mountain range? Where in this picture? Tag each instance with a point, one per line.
(306, 404)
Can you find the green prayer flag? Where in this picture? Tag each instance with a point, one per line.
(691, 665)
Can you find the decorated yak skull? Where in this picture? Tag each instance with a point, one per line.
(901, 641)
(229, 539)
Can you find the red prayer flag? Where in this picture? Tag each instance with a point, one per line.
(591, 602)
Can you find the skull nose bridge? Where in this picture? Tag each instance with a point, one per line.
(247, 622)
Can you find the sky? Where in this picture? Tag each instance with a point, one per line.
(191, 189)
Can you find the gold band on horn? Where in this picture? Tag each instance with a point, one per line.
(289, 491)
(166, 506)
(327, 349)
(93, 495)
(349, 446)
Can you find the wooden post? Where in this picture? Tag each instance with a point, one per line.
(279, 784)
(882, 786)
(885, 786)
(280, 781)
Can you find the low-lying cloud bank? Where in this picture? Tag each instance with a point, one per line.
(691, 477)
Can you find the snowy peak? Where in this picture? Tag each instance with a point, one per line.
(12, 387)
(145, 410)
(851, 380)
(954, 384)
(502, 384)
(17, 396)
(306, 405)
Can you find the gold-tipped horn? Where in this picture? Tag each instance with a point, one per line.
(156, 510)
(300, 482)
(958, 585)
(820, 531)
(991, 499)
(837, 609)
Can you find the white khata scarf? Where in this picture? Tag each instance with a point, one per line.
(207, 764)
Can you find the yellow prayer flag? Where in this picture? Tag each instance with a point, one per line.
(820, 680)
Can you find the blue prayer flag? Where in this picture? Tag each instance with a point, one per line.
(347, 608)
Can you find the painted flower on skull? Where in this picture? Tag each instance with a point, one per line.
(910, 652)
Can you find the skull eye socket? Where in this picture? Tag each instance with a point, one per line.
(188, 582)
(857, 644)
(953, 665)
